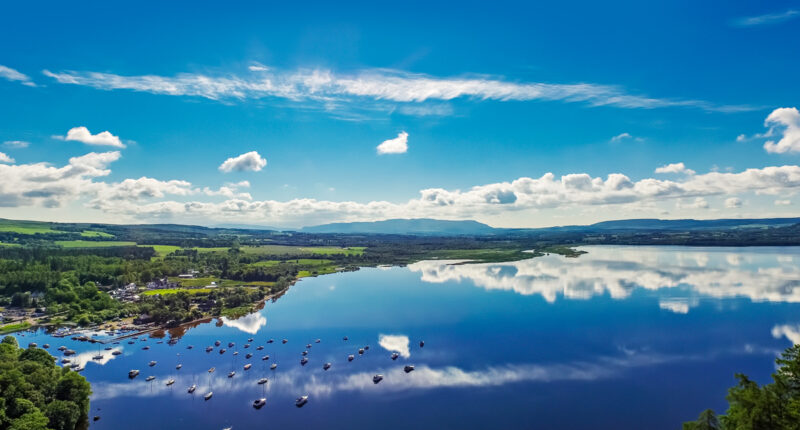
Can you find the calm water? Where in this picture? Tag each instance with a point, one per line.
(622, 337)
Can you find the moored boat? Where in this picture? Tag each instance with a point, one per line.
(377, 378)
(208, 395)
(258, 403)
(192, 388)
(300, 401)
(133, 373)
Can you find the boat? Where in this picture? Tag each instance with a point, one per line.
(211, 370)
(395, 355)
(235, 352)
(130, 342)
(65, 360)
(222, 351)
(258, 403)
(247, 366)
(170, 382)
(308, 346)
(74, 365)
(408, 369)
(46, 346)
(366, 348)
(150, 378)
(230, 375)
(421, 343)
(117, 352)
(300, 401)
(360, 351)
(262, 381)
(350, 357)
(79, 369)
(178, 367)
(209, 348)
(259, 348)
(284, 341)
(208, 395)
(192, 388)
(344, 338)
(217, 343)
(304, 353)
(189, 346)
(250, 340)
(133, 373)
(326, 366)
(265, 358)
(273, 367)
(69, 352)
(303, 361)
(230, 344)
(271, 340)
(146, 347)
(152, 363)
(108, 348)
(377, 378)
(247, 345)
(97, 357)
(62, 348)
(318, 341)
(248, 355)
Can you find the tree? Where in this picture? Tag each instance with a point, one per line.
(62, 414)
(706, 421)
(75, 388)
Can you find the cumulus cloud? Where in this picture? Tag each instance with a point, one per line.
(791, 332)
(767, 19)
(783, 202)
(733, 202)
(398, 145)
(16, 143)
(250, 161)
(675, 168)
(5, 158)
(621, 136)
(10, 74)
(785, 121)
(697, 203)
(331, 88)
(82, 134)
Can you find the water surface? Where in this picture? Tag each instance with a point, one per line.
(622, 337)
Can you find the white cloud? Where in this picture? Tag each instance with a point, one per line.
(16, 143)
(13, 75)
(787, 120)
(767, 19)
(678, 306)
(783, 202)
(675, 168)
(395, 343)
(5, 158)
(250, 161)
(621, 136)
(374, 84)
(792, 332)
(398, 145)
(697, 203)
(733, 202)
(82, 134)
(249, 323)
(257, 67)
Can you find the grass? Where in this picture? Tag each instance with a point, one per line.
(196, 282)
(92, 244)
(90, 233)
(300, 262)
(285, 249)
(9, 244)
(26, 227)
(233, 283)
(167, 291)
(11, 328)
(162, 250)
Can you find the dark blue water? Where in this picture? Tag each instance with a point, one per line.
(622, 337)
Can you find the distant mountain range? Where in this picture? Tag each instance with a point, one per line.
(418, 226)
(433, 227)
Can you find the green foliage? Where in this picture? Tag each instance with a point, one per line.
(773, 406)
(37, 394)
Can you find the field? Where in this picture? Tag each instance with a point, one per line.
(166, 291)
(300, 262)
(162, 250)
(284, 250)
(196, 282)
(26, 227)
(11, 328)
(92, 244)
(90, 233)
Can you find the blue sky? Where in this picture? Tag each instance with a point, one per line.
(492, 98)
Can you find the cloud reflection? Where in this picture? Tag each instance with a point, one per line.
(250, 323)
(395, 343)
(618, 271)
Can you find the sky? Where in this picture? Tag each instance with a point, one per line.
(510, 113)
